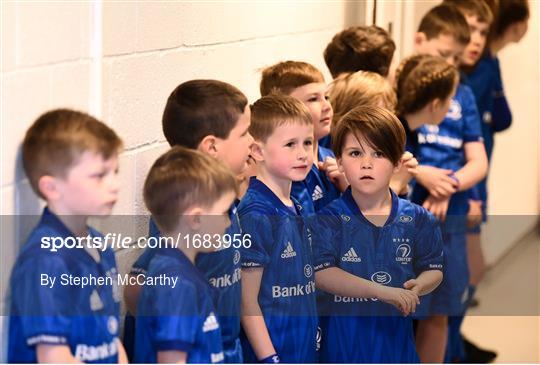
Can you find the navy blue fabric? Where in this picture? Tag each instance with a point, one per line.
(177, 317)
(85, 319)
(316, 191)
(361, 330)
(281, 244)
(222, 270)
(442, 146)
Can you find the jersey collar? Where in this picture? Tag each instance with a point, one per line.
(261, 188)
(353, 207)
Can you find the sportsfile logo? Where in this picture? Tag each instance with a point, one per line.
(317, 193)
(211, 323)
(381, 277)
(351, 256)
(288, 252)
(402, 254)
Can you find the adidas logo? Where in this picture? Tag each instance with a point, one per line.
(211, 323)
(317, 193)
(351, 256)
(288, 252)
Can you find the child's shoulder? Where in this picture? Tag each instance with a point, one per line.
(325, 152)
(412, 213)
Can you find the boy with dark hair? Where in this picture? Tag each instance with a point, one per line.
(360, 48)
(188, 194)
(71, 160)
(372, 247)
(279, 315)
(212, 117)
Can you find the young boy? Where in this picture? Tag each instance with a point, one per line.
(279, 316)
(360, 48)
(369, 245)
(452, 160)
(189, 194)
(212, 117)
(71, 161)
(306, 83)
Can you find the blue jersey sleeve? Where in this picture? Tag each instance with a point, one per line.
(501, 115)
(325, 233)
(429, 245)
(43, 313)
(472, 129)
(177, 317)
(259, 227)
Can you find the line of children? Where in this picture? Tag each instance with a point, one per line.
(481, 72)
(452, 159)
(374, 254)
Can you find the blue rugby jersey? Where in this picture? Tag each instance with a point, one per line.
(222, 270)
(85, 319)
(316, 191)
(361, 330)
(486, 83)
(442, 146)
(177, 317)
(281, 244)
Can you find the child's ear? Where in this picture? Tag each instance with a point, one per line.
(398, 165)
(419, 39)
(340, 166)
(47, 186)
(257, 151)
(208, 145)
(435, 105)
(193, 218)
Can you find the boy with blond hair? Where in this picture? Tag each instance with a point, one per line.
(189, 195)
(71, 160)
(306, 83)
(279, 315)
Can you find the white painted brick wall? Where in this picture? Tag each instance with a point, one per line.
(145, 49)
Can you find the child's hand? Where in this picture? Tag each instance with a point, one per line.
(413, 285)
(410, 163)
(330, 167)
(408, 169)
(474, 216)
(437, 181)
(404, 300)
(437, 206)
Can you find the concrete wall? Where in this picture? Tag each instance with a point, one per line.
(120, 60)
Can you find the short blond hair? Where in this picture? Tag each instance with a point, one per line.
(284, 77)
(272, 111)
(182, 178)
(360, 88)
(58, 138)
